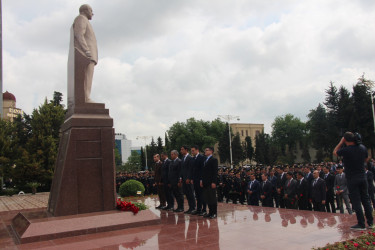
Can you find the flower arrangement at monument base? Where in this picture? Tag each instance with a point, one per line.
(134, 207)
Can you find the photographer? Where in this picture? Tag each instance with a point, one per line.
(354, 157)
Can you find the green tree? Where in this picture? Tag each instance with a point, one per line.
(143, 159)
(318, 127)
(133, 164)
(118, 160)
(224, 146)
(249, 150)
(287, 131)
(159, 148)
(237, 150)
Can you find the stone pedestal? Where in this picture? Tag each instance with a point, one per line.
(84, 179)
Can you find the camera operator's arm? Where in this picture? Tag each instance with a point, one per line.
(339, 146)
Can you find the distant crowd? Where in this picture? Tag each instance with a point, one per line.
(282, 186)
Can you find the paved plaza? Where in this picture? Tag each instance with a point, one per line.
(237, 227)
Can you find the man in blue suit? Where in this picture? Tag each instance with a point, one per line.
(253, 191)
(197, 173)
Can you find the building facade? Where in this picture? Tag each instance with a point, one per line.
(124, 146)
(247, 129)
(10, 111)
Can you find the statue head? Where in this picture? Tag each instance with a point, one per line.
(86, 10)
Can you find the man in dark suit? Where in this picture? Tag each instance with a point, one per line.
(266, 191)
(318, 192)
(158, 165)
(302, 193)
(290, 191)
(281, 179)
(253, 191)
(187, 178)
(273, 179)
(197, 173)
(175, 181)
(208, 182)
(309, 178)
(164, 174)
(330, 196)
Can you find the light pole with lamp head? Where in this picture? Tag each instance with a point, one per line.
(228, 118)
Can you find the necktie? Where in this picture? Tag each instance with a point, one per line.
(314, 182)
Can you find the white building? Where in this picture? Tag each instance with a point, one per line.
(124, 146)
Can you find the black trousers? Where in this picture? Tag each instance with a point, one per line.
(358, 193)
(330, 201)
(168, 196)
(209, 196)
(201, 204)
(189, 192)
(318, 206)
(179, 196)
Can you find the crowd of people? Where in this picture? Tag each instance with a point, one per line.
(324, 187)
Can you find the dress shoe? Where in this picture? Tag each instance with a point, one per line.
(195, 212)
(163, 208)
(178, 210)
(159, 207)
(214, 216)
(188, 211)
(202, 213)
(170, 209)
(207, 215)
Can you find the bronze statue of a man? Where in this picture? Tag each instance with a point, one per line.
(85, 42)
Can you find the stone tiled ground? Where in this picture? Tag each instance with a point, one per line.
(237, 227)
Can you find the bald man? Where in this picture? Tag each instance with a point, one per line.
(85, 42)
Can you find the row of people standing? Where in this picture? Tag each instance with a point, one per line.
(194, 176)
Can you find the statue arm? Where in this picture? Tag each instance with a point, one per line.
(79, 28)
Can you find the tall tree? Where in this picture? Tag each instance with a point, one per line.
(224, 148)
(159, 148)
(143, 159)
(249, 148)
(237, 150)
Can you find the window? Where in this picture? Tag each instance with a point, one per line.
(247, 134)
(241, 132)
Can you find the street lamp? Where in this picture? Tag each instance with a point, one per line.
(145, 137)
(369, 84)
(228, 118)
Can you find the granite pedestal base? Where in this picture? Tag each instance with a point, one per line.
(84, 179)
(41, 226)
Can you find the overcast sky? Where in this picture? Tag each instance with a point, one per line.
(168, 60)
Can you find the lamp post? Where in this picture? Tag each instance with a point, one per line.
(369, 84)
(144, 137)
(228, 118)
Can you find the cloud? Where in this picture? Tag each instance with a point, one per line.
(166, 61)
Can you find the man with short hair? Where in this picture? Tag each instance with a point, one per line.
(208, 182)
(253, 191)
(290, 191)
(187, 173)
(198, 165)
(330, 182)
(302, 192)
(266, 191)
(281, 179)
(354, 157)
(158, 181)
(175, 181)
(341, 190)
(167, 190)
(318, 192)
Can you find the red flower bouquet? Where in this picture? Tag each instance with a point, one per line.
(126, 206)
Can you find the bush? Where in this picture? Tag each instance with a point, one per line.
(9, 191)
(130, 188)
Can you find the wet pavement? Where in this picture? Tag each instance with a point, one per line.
(237, 227)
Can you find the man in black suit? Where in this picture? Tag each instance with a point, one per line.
(330, 196)
(187, 178)
(253, 191)
(281, 179)
(309, 178)
(266, 191)
(318, 192)
(175, 181)
(302, 193)
(164, 176)
(273, 179)
(290, 191)
(208, 182)
(158, 165)
(197, 173)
